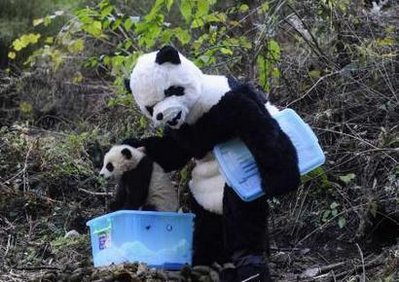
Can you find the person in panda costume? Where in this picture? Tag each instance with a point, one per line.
(199, 111)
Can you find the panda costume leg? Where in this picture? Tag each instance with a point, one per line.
(245, 235)
(206, 193)
(207, 237)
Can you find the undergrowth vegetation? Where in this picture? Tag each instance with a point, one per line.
(62, 104)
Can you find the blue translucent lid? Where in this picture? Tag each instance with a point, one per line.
(135, 212)
(239, 167)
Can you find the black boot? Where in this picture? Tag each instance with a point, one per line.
(252, 268)
(228, 273)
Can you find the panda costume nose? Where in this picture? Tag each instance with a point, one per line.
(159, 116)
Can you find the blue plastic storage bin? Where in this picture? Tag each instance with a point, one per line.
(239, 167)
(160, 239)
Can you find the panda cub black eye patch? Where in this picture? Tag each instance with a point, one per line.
(174, 91)
(110, 167)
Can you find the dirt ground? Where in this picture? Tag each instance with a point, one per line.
(37, 244)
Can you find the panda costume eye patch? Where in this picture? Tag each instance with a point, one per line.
(110, 167)
(174, 91)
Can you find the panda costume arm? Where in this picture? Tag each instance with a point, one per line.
(272, 149)
(163, 150)
(242, 113)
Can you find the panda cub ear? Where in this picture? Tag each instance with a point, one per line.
(126, 83)
(168, 54)
(126, 152)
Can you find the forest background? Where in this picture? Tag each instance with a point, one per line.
(62, 104)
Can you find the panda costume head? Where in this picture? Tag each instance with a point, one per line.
(167, 87)
(142, 183)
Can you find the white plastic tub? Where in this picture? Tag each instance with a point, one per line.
(160, 239)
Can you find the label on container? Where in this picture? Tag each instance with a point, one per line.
(104, 239)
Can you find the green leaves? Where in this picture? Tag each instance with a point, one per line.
(266, 63)
(37, 22)
(182, 35)
(205, 32)
(22, 42)
(168, 4)
(12, 55)
(243, 8)
(94, 29)
(274, 50)
(128, 24)
(25, 40)
(226, 51)
(341, 222)
(47, 19)
(186, 9)
(347, 178)
(76, 46)
(202, 9)
(155, 10)
(332, 213)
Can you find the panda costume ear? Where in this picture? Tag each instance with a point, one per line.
(168, 54)
(126, 152)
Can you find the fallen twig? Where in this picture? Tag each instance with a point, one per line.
(95, 193)
(314, 271)
(363, 277)
(313, 87)
(373, 263)
(37, 267)
(383, 150)
(8, 245)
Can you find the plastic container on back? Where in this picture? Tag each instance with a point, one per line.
(160, 239)
(239, 167)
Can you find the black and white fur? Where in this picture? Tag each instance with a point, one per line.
(142, 183)
(199, 111)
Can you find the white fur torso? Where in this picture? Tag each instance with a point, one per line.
(161, 193)
(207, 184)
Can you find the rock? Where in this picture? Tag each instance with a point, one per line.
(49, 276)
(76, 277)
(141, 269)
(214, 276)
(311, 272)
(161, 274)
(202, 269)
(108, 278)
(62, 277)
(172, 276)
(72, 233)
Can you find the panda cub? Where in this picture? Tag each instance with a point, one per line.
(143, 184)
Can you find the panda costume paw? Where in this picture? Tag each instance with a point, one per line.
(199, 111)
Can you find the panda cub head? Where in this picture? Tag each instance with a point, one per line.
(166, 86)
(119, 160)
